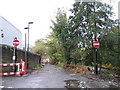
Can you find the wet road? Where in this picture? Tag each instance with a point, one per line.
(50, 77)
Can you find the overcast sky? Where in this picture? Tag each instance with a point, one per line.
(20, 12)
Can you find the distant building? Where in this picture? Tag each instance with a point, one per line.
(8, 33)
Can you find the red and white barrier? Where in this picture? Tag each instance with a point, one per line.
(21, 68)
(9, 64)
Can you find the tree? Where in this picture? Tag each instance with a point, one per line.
(61, 30)
(91, 21)
(88, 22)
(55, 51)
(40, 47)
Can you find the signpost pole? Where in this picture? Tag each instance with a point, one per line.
(15, 43)
(96, 45)
(14, 59)
(96, 65)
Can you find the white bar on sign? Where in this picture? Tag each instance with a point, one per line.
(96, 44)
(16, 42)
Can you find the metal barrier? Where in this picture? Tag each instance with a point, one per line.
(21, 68)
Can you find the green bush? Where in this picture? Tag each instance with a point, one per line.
(38, 66)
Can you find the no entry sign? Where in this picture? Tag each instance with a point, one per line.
(96, 44)
(15, 43)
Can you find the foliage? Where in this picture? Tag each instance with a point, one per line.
(61, 31)
(54, 50)
(38, 66)
(90, 21)
(71, 39)
(40, 47)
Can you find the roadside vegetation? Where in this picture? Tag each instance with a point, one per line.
(38, 67)
(71, 39)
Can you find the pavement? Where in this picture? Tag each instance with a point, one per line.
(52, 77)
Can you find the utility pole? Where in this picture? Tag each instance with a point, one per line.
(118, 43)
(118, 71)
(25, 50)
(27, 59)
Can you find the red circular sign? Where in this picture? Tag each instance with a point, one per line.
(96, 44)
(16, 43)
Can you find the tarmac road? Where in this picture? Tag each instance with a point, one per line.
(51, 77)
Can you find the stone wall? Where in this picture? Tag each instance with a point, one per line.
(7, 55)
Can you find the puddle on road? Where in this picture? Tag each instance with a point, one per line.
(10, 87)
(1, 86)
(75, 83)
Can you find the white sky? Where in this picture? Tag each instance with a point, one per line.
(20, 12)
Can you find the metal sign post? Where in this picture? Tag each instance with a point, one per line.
(96, 65)
(14, 59)
(96, 45)
(15, 43)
